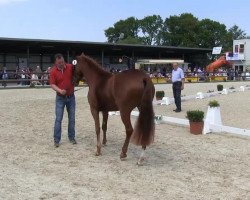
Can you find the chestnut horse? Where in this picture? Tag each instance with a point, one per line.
(124, 92)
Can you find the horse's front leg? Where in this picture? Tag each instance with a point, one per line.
(104, 127)
(129, 130)
(95, 114)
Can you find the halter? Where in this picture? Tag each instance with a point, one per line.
(74, 63)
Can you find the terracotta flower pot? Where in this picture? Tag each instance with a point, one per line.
(196, 127)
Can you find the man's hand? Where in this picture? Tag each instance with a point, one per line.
(62, 92)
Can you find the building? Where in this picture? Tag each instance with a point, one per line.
(32, 52)
(241, 55)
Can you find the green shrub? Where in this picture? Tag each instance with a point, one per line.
(219, 87)
(213, 104)
(195, 115)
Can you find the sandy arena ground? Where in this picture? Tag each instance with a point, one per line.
(179, 165)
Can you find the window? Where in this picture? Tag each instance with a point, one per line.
(236, 47)
(241, 48)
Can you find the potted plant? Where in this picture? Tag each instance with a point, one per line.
(213, 115)
(213, 104)
(196, 122)
(219, 87)
(159, 95)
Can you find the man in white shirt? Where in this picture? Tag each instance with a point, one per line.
(178, 85)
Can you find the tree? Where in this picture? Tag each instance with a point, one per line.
(236, 33)
(211, 34)
(128, 27)
(150, 27)
(130, 40)
(180, 31)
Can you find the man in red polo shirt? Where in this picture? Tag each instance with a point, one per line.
(61, 77)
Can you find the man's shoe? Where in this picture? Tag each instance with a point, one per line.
(177, 110)
(73, 141)
(56, 144)
(174, 110)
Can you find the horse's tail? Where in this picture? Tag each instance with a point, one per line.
(144, 130)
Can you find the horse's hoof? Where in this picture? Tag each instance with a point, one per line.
(123, 156)
(98, 154)
(104, 144)
(140, 161)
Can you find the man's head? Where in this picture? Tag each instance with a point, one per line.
(59, 60)
(175, 65)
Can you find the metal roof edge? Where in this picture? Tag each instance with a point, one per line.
(102, 43)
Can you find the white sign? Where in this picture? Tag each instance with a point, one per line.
(216, 50)
(234, 56)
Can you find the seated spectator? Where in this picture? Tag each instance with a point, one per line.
(45, 77)
(34, 80)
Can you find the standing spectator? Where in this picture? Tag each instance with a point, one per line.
(38, 72)
(4, 76)
(45, 77)
(178, 85)
(23, 76)
(61, 81)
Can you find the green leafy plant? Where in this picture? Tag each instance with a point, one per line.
(195, 115)
(160, 94)
(219, 87)
(213, 104)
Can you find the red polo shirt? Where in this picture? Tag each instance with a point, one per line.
(63, 78)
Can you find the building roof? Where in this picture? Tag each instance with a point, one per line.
(17, 45)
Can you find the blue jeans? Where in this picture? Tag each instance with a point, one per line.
(70, 104)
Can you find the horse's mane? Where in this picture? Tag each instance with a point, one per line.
(97, 67)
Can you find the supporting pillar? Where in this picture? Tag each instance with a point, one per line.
(28, 57)
(41, 61)
(102, 58)
(67, 56)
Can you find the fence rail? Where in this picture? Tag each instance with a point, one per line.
(189, 77)
(16, 77)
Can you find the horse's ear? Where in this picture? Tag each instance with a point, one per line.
(82, 54)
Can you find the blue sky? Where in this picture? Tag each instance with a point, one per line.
(86, 20)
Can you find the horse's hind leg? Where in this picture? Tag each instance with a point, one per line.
(142, 156)
(95, 114)
(129, 130)
(104, 127)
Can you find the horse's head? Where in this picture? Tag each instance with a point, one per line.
(78, 72)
